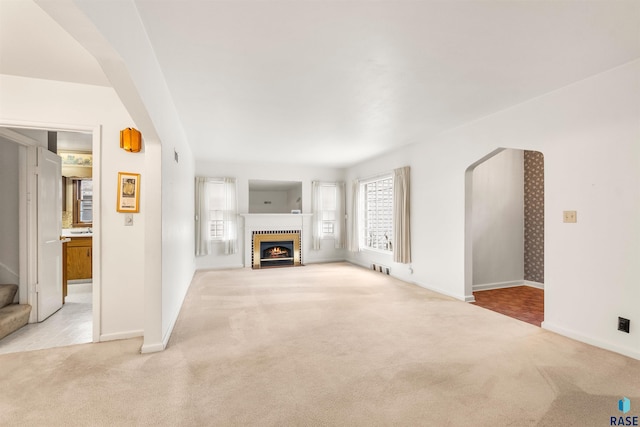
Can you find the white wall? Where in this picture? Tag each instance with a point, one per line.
(43, 102)
(128, 60)
(9, 243)
(383, 165)
(178, 239)
(498, 221)
(249, 171)
(588, 133)
(278, 202)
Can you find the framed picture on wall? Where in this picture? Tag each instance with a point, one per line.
(128, 192)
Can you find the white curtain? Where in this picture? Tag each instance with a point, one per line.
(230, 217)
(354, 226)
(401, 217)
(316, 210)
(203, 212)
(203, 233)
(328, 204)
(341, 217)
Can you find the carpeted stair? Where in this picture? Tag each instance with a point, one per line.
(12, 316)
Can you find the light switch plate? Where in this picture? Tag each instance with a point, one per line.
(128, 219)
(570, 216)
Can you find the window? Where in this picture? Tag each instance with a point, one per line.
(216, 214)
(82, 202)
(217, 204)
(327, 205)
(378, 213)
(328, 209)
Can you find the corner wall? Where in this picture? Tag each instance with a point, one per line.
(34, 101)
(589, 133)
(498, 221)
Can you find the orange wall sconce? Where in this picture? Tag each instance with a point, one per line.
(130, 140)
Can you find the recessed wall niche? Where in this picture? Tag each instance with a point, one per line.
(274, 196)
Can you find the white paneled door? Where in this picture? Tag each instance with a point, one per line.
(49, 205)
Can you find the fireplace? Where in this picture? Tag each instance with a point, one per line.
(275, 249)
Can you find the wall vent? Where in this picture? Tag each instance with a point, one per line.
(381, 268)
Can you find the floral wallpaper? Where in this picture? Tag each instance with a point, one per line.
(534, 216)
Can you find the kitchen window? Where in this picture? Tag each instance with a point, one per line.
(82, 202)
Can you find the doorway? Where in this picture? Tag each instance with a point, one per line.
(78, 319)
(504, 239)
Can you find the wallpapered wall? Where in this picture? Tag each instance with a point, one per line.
(534, 216)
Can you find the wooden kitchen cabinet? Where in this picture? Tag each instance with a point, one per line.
(77, 261)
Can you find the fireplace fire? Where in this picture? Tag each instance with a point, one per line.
(275, 249)
(276, 252)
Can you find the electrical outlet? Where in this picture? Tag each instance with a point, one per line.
(570, 216)
(623, 324)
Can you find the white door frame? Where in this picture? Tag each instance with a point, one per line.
(28, 219)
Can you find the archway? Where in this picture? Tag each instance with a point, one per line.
(504, 235)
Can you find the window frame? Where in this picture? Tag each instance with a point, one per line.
(216, 225)
(326, 222)
(387, 213)
(78, 200)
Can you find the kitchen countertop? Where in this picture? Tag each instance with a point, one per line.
(77, 232)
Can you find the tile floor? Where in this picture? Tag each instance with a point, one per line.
(72, 324)
(521, 302)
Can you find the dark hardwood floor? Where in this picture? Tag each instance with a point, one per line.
(521, 302)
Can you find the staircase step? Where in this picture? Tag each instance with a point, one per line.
(7, 293)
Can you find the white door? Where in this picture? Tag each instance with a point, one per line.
(49, 207)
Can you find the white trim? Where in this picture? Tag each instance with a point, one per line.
(29, 225)
(96, 226)
(122, 335)
(152, 348)
(222, 267)
(324, 260)
(458, 297)
(589, 340)
(509, 284)
(498, 285)
(376, 250)
(464, 298)
(533, 284)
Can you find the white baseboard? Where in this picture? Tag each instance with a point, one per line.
(589, 340)
(533, 284)
(121, 335)
(498, 285)
(152, 348)
(441, 291)
(464, 298)
(509, 284)
(324, 261)
(222, 267)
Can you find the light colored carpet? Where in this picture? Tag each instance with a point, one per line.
(323, 345)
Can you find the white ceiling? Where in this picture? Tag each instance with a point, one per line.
(34, 45)
(335, 82)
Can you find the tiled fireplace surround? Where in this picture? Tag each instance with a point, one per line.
(272, 223)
